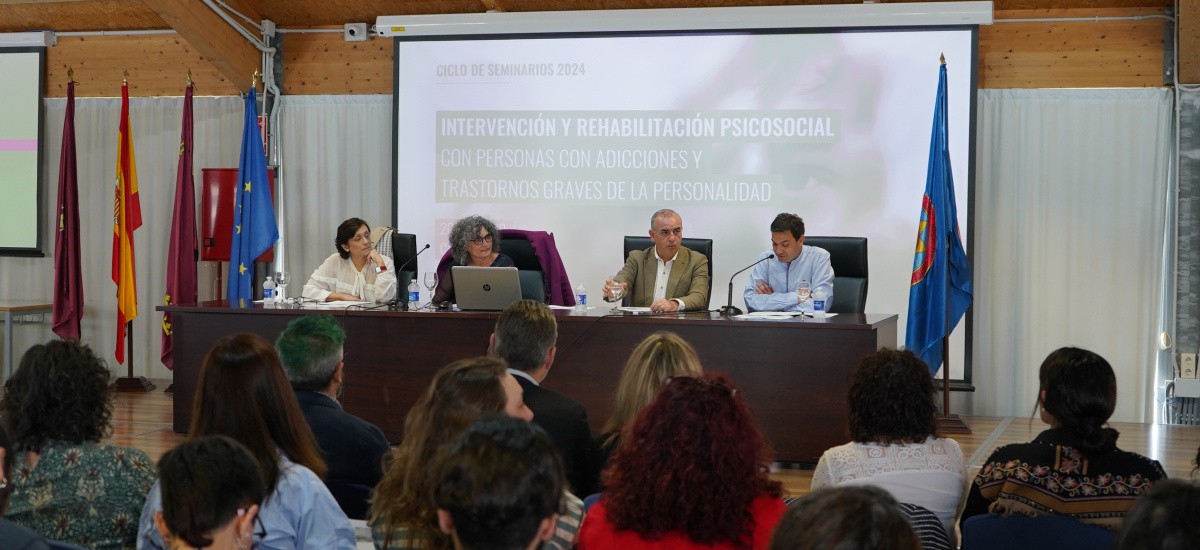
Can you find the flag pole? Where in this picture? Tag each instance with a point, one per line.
(131, 383)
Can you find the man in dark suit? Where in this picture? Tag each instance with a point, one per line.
(353, 449)
(667, 276)
(524, 337)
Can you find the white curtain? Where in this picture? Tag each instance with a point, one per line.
(338, 157)
(1070, 197)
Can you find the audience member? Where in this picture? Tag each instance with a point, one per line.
(68, 485)
(244, 394)
(1074, 468)
(845, 518)
(525, 337)
(403, 514)
(501, 486)
(211, 492)
(656, 359)
(14, 536)
(693, 472)
(1165, 518)
(894, 445)
(352, 448)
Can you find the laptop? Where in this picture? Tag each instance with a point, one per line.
(485, 288)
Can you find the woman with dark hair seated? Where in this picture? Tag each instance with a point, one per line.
(1165, 518)
(403, 512)
(244, 394)
(894, 444)
(474, 241)
(692, 472)
(357, 272)
(1073, 469)
(211, 492)
(68, 485)
(845, 518)
(14, 536)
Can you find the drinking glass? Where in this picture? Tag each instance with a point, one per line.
(617, 290)
(431, 281)
(802, 290)
(281, 280)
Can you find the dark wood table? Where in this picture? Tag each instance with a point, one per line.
(793, 373)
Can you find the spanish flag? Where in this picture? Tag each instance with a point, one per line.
(127, 217)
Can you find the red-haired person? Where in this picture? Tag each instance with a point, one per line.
(692, 473)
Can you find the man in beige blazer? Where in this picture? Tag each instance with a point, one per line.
(666, 277)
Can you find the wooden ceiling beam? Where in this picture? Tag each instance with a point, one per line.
(1188, 20)
(232, 55)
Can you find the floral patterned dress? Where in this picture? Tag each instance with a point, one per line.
(89, 494)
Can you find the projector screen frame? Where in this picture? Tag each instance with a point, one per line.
(38, 250)
(956, 384)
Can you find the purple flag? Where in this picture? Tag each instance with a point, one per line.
(68, 283)
(183, 252)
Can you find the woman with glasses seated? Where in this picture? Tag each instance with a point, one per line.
(692, 472)
(357, 272)
(211, 492)
(244, 394)
(474, 241)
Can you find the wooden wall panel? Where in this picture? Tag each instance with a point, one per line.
(1189, 41)
(1076, 54)
(1079, 54)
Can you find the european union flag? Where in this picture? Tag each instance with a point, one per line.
(254, 228)
(941, 278)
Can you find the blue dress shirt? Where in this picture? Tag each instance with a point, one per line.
(812, 265)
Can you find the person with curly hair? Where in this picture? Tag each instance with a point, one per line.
(474, 241)
(692, 473)
(244, 394)
(845, 518)
(68, 484)
(211, 493)
(656, 359)
(1073, 469)
(357, 272)
(403, 513)
(894, 443)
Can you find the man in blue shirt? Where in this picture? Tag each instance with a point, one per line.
(773, 284)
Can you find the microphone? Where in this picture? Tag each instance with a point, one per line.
(399, 291)
(728, 309)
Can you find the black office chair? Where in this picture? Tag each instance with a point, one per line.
(703, 246)
(848, 256)
(404, 249)
(529, 267)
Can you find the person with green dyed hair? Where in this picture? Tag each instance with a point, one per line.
(311, 350)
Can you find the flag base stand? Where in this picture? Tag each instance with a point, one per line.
(170, 388)
(952, 424)
(133, 384)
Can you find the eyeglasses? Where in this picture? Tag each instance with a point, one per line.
(707, 382)
(481, 240)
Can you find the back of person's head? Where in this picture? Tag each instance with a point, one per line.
(701, 436)
(6, 467)
(656, 359)
(1165, 518)
(460, 394)
(311, 349)
(525, 334)
(892, 399)
(501, 485)
(60, 392)
(846, 517)
(1081, 394)
(243, 393)
(789, 223)
(206, 483)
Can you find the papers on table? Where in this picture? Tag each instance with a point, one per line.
(776, 315)
(631, 309)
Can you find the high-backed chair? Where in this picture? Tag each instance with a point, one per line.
(848, 256)
(404, 249)
(993, 532)
(529, 267)
(703, 246)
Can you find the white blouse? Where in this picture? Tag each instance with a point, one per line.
(338, 275)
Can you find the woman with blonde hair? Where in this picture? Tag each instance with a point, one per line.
(653, 362)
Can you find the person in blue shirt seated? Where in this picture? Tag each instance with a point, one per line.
(775, 285)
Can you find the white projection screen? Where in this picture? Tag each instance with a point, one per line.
(586, 135)
(20, 151)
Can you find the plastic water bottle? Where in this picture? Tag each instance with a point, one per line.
(819, 297)
(269, 291)
(414, 295)
(581, 299)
